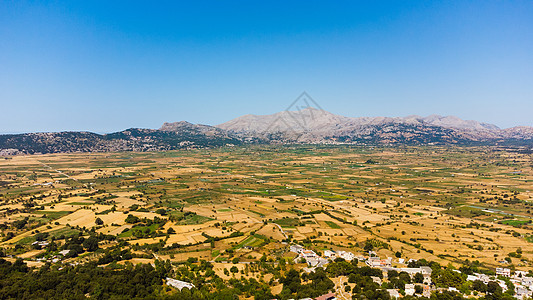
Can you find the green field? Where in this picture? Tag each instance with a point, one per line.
(333, 225)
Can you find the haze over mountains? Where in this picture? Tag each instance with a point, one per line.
(309, 125)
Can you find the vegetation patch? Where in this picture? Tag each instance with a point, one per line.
(287, 222)
(333, 225)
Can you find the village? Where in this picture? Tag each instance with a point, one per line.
(523, 284)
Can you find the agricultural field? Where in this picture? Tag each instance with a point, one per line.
(234, 206)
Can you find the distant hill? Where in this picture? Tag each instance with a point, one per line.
(309, 125)
(128, 140)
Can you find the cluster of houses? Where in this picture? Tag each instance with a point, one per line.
(386, 266)
(312, 259)
(377, 262)
(425, 271)
(330, 254)
(522, 283)
(410, 291)
(55, 258)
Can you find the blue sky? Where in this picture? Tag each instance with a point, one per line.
(105, 66)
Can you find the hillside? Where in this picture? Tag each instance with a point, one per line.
(128, 140)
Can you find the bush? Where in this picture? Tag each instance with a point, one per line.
(131, 219)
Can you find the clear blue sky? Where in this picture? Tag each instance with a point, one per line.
(110, 65)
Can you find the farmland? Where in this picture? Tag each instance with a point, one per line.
(234, 206)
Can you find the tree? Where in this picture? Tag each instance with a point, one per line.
(41, 236)
(494, 288)
(19, 224)
(291, 281)
(448, 277)
(404, 277)
(91, 244)
(339, 268)
(418, 278)
(392, 274)
(131, 219)
(446, 295)
(234, 269)
(419, 289)
(479, 286)
(368, 246)
(99, 221)
(79, 282)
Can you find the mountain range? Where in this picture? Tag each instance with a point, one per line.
(309, 125)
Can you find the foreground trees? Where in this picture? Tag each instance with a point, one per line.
(142, 281)
(17, 281)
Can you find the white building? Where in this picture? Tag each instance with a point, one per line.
(426, 291)
(410, 289)
(527, 281)
(520, 274)
(376, 262)
(316, 262)
(306, 254)
(329, 254)
(179, 284)
(393, 293)
(41, 243)
(503, 272)
(349, 256)
(522, 292)
(376, 279)
(296, 248)
(483, 277)
(503, 285)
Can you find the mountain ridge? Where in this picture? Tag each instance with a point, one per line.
(308, 125)
(316, 125)
(319, 115)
